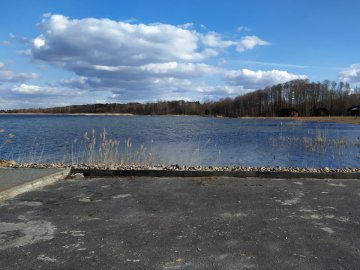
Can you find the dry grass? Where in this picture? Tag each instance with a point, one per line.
(318, 142)
(103, 150)
(94, 148)
(5, 138)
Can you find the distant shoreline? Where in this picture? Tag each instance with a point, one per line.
(85, 114)
(333, 119)
(327, 119)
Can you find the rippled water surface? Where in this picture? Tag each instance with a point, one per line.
(188, 140)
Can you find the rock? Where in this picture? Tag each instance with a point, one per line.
(77, 175)
(176, 167)
(7, 163)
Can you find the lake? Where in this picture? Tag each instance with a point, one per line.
(184, 140)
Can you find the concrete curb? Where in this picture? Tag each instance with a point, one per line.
(27, 186)
(240, 174)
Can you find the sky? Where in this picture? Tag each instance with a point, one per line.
(62, 52)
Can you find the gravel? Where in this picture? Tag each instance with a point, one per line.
(177, 167)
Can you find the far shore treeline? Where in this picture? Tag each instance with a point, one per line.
(305, 97)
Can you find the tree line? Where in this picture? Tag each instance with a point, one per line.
(335, 98)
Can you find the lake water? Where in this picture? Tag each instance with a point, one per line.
(184, 140)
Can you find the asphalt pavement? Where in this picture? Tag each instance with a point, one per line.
(14, 181)
(10, 177)
(183, 223)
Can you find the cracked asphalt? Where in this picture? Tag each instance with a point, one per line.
(183, 223)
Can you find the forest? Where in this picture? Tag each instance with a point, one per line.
(306, 98)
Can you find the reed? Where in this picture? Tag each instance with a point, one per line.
(202, 153)
(321, 138)
(317, 142)
(103, 150)
(92, 149)
(5, 138)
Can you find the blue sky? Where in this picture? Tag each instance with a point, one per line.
(74, 52)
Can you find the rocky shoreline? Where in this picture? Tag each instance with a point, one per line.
(177, 167)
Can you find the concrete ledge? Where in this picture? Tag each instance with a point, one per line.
(242, 174)
(28, 186)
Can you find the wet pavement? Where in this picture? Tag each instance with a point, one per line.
(183, 223)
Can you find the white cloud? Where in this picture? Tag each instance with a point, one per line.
(77, 83)
(38, 42)
(272, 64)
(134, 59)
(250, 79)
(36, 96)
(176, 89)
(131, 61)
(213, 39)
(187, 26)
(351, 74)
(175, 69)
(107, 42)
(249, 43)
(8, 76)
(90, 42)
(243, 28)
(28, 89)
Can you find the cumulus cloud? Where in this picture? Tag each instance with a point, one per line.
(123, 55)
(250, 79)
(175, 69)
(249, 43)
(35, 96)
(187, 26)
(138, 62)
(113, 43)
(75, 83)
(108, 42)
(213, 39)
(175, 89)
(351, 74)
(28, 89)
(8, 76)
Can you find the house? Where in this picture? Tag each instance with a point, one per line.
(321, 112)
(354, 110)
(288, 112)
